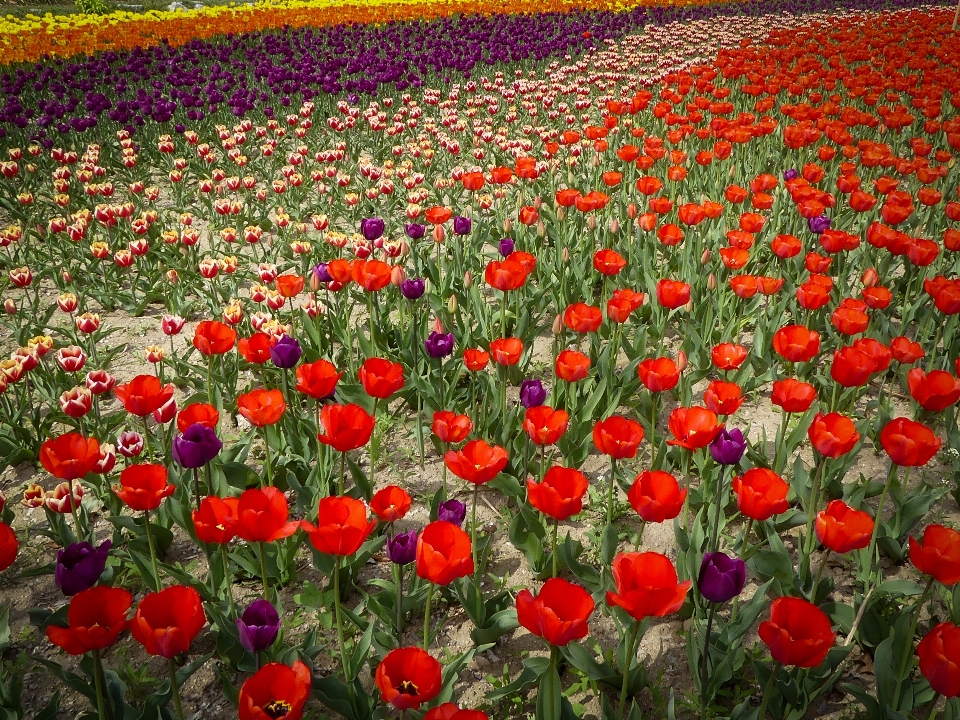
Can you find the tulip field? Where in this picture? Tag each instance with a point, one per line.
(481, 360)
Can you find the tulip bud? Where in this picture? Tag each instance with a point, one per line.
(711, 282)
(438, 233)
(10, 306)
(67, 277)
(682, 361)
(438, 326)
(614, 226)
(561, 213)
(452, 304)
(689, 306)
(154, 354)
(557, 324)
(397, 276)
(632, 211)
(541, 229)
(172, 277)
(565, 255)
(537, 202)
(592, 222)
(870, 278)
(467, 280)
(705, 258)
(507, 225)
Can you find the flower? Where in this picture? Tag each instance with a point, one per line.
(795, 343)
(506, 247)
(372, 228)
(345, 427)
(938, 554)
(940, 659)
(262, 516)
(285, 352)
(258, 626)
(166, 622)
(408, 677)
(290, 285)
(728, 356)
(608, 262)
(196, 446)
(262, 407)
(276, 691)
(934, 391)
(658, 374)
(342, 526)
(215, 520)
(833, 435)
(402, 547)
(797, 633)
(723, 397)
(532, 393)
(380, 377)
(656, 496)
(618, 437)
(475, 359)
(477, 462)
(558, 613)
(439, 345)
(391, 503)
(452, 511)
(761, 493)
(793, 396)
(144, 394)
(818, 224)
(143, 487)
(646, 585)
(213, 337)
(909, 443)
(841, 528)
(198, 413)
(9, 546)
(443, 553)
(582, 318)
(560, 495)
(694, 427)
(450, 427)
(95, 618)
(79, 566)
(70, 456)
(506, 351)
(721, 577)
(544, 425)
(572, 366)
(728, 447)
(414, 231)
(412, 288)
(318, 379)
(462, 225)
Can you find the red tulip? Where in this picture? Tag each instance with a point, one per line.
(477, 462)
(9, 545)
(939, 653)
(656, 496)
(722, 397)
(833, 435)
(646, 585)
(96, 618)
(475, 359)
(318, 379)
(215, 520)
(342, 526)
(658, 374)
(143, 487)
(851, 367)
(761, 494)
(380, 377)
(166, 622)
(618, 437)
(544, 425)
(345, 427)
(938, 555)
(560, 495)
(197, 414)
(572, 366)
(727, 356)
(793, 396)
(450, 427)
(262, 407)
(672, 293)
(256, 348)
(408, 677)
(608, 262)
(506, 351)
(70, 456)
(144, 394)
(558, 613)
(842, 529)
(443, 553)
(797, 633)
(795, 343)
(391, 503)
(275, 691)
(909, 443)
(694, 427)
(582, 318)
(213, 337)
(934, 391)
(262, 516)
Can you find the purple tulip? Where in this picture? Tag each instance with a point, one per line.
(414, 231)
(728, 447)
(532, 393)
(452, 511)
(439, 345)
(462, 225)
(791, 174)
(258, 626)
(818, 224)
(79, 566)
(402, 548)
(285, 352)
(321, 274)
(506, 247)
(721, 577)
(413, 288)
(372, 228)
(196, 446)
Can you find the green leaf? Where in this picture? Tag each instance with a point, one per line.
(549, 694)
(533, 669)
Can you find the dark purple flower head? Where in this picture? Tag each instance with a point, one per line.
(414, 231)
(506, 247)
(452, 511)
(196, 446)
(721, 577)
(320, 273)
(818, 224)
(412, 288)
(728, 447)
(439, 345)
(258, 626)
(791, 174)
(285, 352)
(372, 228)
(532, 393)
(79, 566)
(402, 548)
(462, 225)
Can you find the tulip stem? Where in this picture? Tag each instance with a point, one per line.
(631, 644)
(812, 508)
(337, 611)
(653, 430)
(781, 442)
(766, 691)
(343, 473)
(226, 578)
(908, 646)
(704, 660)
(473, 527)
(643, 525)
(374, 442)
(877, 519)
(816, 580)
(716, 515)
(426, 618)
(153, 550)
(936, 696)
(98, 681)
(398, 569)
(266, 456)
(146, 436)
(196, 485)
(175, 689)
(553, 546)
(262, 552)
(613, 472)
